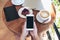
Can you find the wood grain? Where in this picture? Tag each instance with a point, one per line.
(8, 29)
(17, 25)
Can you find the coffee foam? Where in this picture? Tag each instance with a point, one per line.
(44, 14)
(41, 17)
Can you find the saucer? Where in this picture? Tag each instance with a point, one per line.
(40, 20)
(17, 2)
(21, 9)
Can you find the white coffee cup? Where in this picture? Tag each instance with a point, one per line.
(43, 16)
(17, 2)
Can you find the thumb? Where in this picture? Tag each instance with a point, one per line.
(24, 31)
(34, 32)
(35, 29)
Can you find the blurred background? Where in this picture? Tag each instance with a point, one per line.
(54, 32)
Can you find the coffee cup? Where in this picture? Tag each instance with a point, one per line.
(43, 16)
(17, 2)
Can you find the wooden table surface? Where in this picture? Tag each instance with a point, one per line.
(16, 26)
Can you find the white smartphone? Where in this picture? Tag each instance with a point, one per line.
(30, 22)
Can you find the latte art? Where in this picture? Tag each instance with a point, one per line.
(44, 14)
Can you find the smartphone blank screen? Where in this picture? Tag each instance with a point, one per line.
(29, 22)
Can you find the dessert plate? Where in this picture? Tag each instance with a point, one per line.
(21, 9)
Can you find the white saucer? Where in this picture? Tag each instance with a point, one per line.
(40, 20)
(21, 9)
(17, 2)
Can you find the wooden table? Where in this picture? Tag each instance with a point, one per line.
(16, 26)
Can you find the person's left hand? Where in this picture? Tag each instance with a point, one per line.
(34, 33)
(24, 32)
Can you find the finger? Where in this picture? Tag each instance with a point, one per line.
(24, 28)
(32, 34)
(35, 29)
(26, 33)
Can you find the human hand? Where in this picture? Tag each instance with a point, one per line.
(34, 33)
(24, 32)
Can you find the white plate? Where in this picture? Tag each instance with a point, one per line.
(21, 9)
(40, 20)
(17, 2)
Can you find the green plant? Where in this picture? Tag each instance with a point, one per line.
(56, 2)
